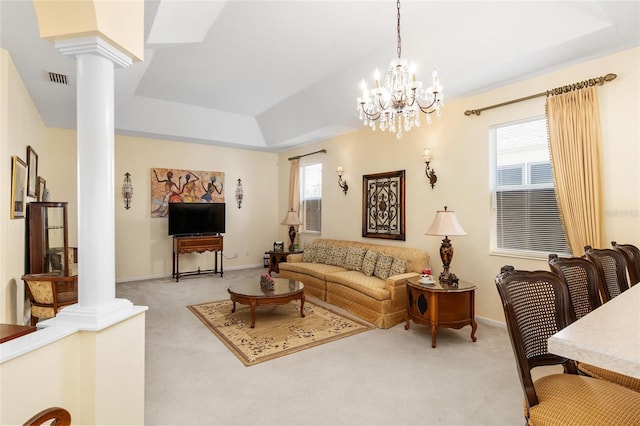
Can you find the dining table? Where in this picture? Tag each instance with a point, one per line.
(607, 337)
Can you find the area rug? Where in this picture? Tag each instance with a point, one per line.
(279, 329)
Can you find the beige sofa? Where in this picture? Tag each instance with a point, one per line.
(367, 280)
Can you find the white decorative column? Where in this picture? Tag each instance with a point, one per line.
(97, 305)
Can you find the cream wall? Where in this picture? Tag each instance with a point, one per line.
(20, 126)
(143, 248)
(460, 147)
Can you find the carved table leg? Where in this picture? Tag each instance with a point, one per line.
(474, 327)
(253, 313)
(434, 333)
(302, 305)
(406, 318)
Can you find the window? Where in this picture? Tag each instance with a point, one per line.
(527, 219)
(311, 197)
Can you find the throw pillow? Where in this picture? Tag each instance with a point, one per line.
(398, 267)
(336, 255)
(309, 254)
(322, 253)
(369, 262)
(354, 258)
(383, 266)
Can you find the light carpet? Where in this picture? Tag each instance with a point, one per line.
(279, 329)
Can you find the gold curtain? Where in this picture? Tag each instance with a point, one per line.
(294, 185)
(575, 147)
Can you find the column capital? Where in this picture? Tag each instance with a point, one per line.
(93, 45)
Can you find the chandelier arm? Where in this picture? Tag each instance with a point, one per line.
(370, 116)
(429, 108)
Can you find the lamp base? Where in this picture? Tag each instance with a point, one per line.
(292, 236)
(446, 255)
(449, 278)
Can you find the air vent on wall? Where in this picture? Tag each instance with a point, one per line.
(54, 77)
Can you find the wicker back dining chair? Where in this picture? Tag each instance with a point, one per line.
(536, 306)
(612, 270)
(581, 278)
(631, 254)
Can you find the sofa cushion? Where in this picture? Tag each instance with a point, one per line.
(372, 286)
(398, 267)
(383, 266)
(310, 253)
(322, 253)
(336, 255)
(369, 262)
(354, 258)
(318, 270)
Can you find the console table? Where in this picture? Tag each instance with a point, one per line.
(196, 244)
(441, 305)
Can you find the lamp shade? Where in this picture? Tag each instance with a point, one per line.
(291, 218)
(445, 223)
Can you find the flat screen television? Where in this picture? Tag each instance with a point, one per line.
(196, 218)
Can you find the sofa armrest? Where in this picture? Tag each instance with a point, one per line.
(399, 280)
(397, 286)
(295, 257)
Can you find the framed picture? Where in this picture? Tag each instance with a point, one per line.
(32, 164)
(41, 186)
(18, 188)
(383, 213)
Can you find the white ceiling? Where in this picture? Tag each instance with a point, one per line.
(270, 75)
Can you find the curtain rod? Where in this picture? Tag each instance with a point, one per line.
(304, 155)
(557, 91)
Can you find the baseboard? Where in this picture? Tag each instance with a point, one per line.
(491, 322)
(158, 277)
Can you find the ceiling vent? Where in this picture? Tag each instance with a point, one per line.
(54, 77)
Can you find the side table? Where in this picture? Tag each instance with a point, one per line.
(277, 257)
(441, 305)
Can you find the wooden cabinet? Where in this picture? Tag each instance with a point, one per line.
(47, 238)
(196, 244)
(441, 305)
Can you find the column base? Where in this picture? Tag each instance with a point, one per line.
(99, 317)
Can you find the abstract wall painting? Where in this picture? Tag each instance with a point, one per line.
(184, 186)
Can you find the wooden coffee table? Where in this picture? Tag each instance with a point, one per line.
(250, 293)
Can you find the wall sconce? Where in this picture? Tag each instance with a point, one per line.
(127, 190)
(239, 193)
(431, 173)
(342, 183)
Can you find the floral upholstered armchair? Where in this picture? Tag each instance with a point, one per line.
(49, 293)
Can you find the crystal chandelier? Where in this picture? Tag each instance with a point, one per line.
(395, 106)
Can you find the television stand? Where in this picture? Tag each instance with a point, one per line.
(196, 244)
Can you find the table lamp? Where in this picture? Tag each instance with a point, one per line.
(445, 224)
(291, 219)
